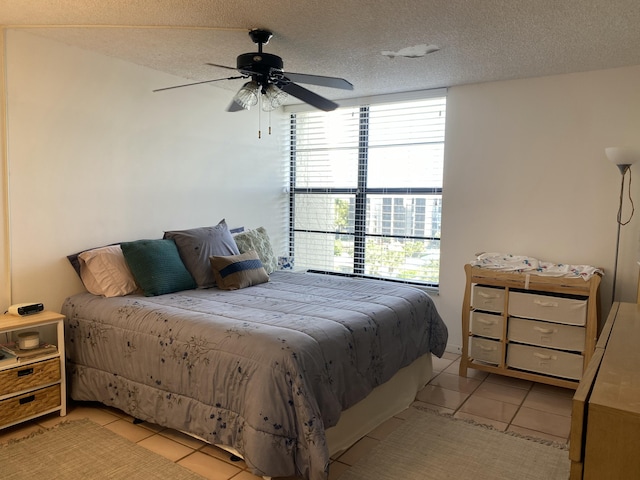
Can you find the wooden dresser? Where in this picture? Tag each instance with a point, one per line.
(605, 420)
(528, 326)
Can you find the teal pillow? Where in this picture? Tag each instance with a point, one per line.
(157, 267)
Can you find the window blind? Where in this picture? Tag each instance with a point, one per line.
(366, 189)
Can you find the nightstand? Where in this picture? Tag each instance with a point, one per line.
(32, 386)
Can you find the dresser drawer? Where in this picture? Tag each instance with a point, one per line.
(488, 299)
(485, 350)
(545, 307)
(545, 360)
(545, 334)
(28, 404)
(487, 324)
(29, 376)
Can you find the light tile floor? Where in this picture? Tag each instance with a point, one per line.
(505, 403)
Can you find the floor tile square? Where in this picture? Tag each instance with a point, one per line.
(442, 397)
(539, 421)
(455, 382)
(558, 404)
(489, 408)
(501, 392)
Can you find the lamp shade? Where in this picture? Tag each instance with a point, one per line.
(247, 96)
(623, 155)
(273, 98)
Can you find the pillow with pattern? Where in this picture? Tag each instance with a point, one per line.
(196, 245)
(258, 240)
(234, 272)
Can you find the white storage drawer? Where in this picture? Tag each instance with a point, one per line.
(487, 324)
(544, 360)
(488, 299)
(485, 350)
(545, 307)
(545, 334)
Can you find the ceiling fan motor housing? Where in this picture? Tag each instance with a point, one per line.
(260, 63)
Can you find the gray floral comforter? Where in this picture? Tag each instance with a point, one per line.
(265, 369)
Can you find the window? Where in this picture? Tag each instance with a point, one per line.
(366, 189)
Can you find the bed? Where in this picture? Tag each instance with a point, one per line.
(285, 372)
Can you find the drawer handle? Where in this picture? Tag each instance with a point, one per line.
(545, 357)
(486, 322)
(487, 349)
(545, 304)
(28, 399)
(24, 372)
(486, 295)
(545, 330)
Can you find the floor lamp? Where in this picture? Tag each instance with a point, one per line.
(623, 158)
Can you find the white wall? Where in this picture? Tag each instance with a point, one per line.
(526, 173)
(95, 157)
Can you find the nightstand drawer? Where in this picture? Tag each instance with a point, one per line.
(545, 360)
(546, 334)
(28, 376)
(28, 404)
(488, 299)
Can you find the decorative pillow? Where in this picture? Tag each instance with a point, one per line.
(104, 271)
(238, 271)
(258, 240)
(198, 244)
(157, 267)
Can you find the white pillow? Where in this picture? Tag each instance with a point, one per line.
(104, 271)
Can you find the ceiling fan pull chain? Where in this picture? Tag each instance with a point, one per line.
(259, 114)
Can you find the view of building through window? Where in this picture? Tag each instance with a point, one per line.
(366, 190)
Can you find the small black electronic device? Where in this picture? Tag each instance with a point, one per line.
(22, 309)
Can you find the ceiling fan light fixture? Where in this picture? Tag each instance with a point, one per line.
(273, 98)
(247, 96)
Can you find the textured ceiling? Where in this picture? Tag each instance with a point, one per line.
(479, 41)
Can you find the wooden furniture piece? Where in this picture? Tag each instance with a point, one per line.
(31, 387)
(605, 419)
(534, 327)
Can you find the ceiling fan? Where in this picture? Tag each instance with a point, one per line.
(269, 83)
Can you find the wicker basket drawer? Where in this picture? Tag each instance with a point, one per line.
(487, 324)
(546, 334)
(544, 360)
(25, 377)
(488, 299)
(28, 404)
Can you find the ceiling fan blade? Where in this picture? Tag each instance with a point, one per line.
(321, 81)
(195, 83)
(308, 96)
(221, 66)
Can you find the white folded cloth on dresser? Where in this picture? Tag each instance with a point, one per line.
(518, 263)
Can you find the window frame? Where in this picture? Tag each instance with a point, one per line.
(361, 192)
